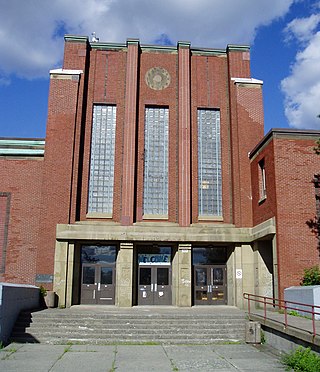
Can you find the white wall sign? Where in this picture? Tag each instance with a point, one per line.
(239, 273)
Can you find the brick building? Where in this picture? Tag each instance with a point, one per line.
(154, 184)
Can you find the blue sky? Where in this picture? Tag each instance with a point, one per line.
(283, 34)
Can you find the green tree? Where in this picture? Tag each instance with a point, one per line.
(314, 223)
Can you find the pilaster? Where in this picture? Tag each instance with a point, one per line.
(124, 275)
(129, 144)
(60, 272)
(184, 172)
(184, 290)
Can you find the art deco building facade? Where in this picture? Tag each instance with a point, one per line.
(146, 188)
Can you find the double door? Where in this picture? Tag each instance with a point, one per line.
(98, 284)
(154, 285)
(210, 287)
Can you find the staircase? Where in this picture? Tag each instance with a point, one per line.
(110, 325)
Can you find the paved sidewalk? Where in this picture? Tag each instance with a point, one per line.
(133, 358)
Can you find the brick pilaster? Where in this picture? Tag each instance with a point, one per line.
(184, 134)
(129, 140)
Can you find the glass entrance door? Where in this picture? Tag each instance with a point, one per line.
(154, 285)
(98, 274)
(97, 284)
(210, 285)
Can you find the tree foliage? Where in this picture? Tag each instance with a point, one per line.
(311, 276)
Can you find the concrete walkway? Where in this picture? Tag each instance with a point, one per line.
(124, 358)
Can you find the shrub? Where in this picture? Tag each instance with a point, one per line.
(302, 360)
(43, 291)
(311, 276)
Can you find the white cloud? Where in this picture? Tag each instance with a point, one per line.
(302, 87)
(302, 28)
(31, 30)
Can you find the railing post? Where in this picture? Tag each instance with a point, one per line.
(249, 303)
(313, 322)
(285, 314)
(265, 307)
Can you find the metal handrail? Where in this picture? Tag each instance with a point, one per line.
(283, 305)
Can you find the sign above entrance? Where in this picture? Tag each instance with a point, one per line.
(154, 259)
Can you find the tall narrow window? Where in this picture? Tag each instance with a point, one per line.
(209, 163)
(155, 189)
(102, 159)
(262, 180)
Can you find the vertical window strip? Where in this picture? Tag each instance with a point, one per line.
(209, 163)
(102, 159)
(155, 189)
(262, 180)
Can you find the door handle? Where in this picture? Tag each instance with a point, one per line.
(94, 294)
(151, 287)
(98, 286)
(155, 287)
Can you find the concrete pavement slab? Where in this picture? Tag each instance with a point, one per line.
(196, 358)
(248, 358)
(97, 361)
(142, 358)
(31, 358)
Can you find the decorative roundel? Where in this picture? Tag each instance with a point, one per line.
(157, 78)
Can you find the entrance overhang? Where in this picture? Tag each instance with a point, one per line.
(165, 232)
(241, 242)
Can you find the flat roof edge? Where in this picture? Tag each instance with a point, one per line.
(275, 132)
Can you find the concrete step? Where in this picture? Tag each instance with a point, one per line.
(116, 326)
(135, 341)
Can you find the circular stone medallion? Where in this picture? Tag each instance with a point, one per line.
(157, 78)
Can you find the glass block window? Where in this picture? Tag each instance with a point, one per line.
(155, 190)
(209, 163)
(102, 159)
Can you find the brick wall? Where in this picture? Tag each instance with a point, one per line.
(21, 182)
(61, 176)
(209, 88)
(290, 164)
(106, 85)
(295, 165)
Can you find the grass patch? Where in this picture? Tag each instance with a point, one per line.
(9, 352)
(301, 360)
(113, 367)
(294, 313)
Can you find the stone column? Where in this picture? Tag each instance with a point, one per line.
(238, 286)
(124, 275)
(244, 266)
(275, 268)
(263, 268)
(60, 272)
(70, 271)
(184, 290)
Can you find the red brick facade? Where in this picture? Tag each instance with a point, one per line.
(20, 200)
(290, 165)
(51, 190)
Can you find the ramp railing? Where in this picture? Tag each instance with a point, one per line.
(271, 305)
